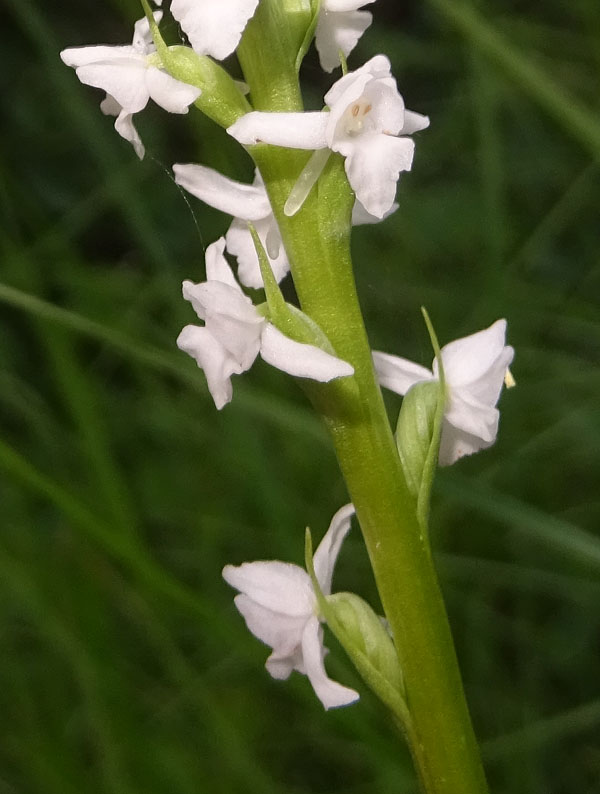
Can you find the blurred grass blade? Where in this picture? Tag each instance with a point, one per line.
(556, 534)
(566, 110)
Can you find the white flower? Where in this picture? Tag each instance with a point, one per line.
(474, 368)
(339, 27)
(279, 605)
(235, 332)
(245, 203)
(248, 203)
(127, 75)
(214, 27)
(366, 117)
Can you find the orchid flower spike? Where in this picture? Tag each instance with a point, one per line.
(474, 370)
(339, 27)
(279, 605)
(130, 78)
(213, 27)
(235, 332)
(366, 124)
(247, 203)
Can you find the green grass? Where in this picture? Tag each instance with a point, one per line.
(125, 667)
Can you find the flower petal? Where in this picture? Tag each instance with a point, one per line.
(339, 31)
(211, 357)
(398, 374)
(281, 632)
(330, 693)
(98, 53)
(373, 167)
(126, 129)
(456, 443)
(414, 122)
(172, 95)
(465, 413)
(215, 297)
(249, 202)
(487, 388)
(294, 130)
(379, 66)
(326, 554)
(213, 28)
(468, 359)
(217, 267)
(361, 217)
(303, 361)
(278, 586)
(281, 667)
(241, 245)
(124, 79)
(142, 37)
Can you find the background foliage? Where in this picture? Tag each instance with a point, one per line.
(124, 666)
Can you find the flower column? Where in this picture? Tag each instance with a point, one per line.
(317, 240)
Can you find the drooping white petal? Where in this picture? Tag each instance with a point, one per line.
(339, 31)
(360, 217)
(217, 267)
(456, 443)
(281, 667)
(241, 245)
(330, 693)
(326, 554)
(373, 168)
(486, 389)
(279, 586)
(468, 359)
(212, 357)
(398, 374)
(278, 630)
(303, 361)
(294, 130)
(213, 28)
(125, 127)
(249, 202)
(124, 79)
(172, 95)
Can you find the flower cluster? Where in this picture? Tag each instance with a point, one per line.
(365, 122)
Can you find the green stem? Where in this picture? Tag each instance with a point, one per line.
(317, 241)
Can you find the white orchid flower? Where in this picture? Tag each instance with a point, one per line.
(235, 332)
(366, 118)
(339, 27)
(248, 203)
(214, 27)
(475, 368)
(279, 605)
(130, 79)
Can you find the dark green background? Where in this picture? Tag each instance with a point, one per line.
(124, 667)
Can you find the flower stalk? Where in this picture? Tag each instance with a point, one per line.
(317, 241)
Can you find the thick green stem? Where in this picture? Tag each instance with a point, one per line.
(317, 241)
